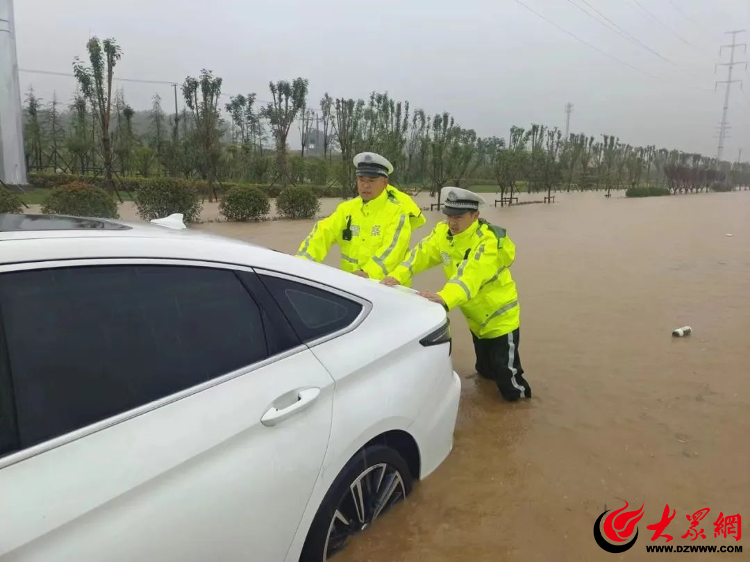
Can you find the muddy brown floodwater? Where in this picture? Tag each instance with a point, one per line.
(621, 410)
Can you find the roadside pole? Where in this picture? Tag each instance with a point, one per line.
(12, 162)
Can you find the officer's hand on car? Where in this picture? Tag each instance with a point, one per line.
(390, 281)
(432, 297)
(362, 274)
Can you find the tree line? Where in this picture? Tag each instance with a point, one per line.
(244, 141)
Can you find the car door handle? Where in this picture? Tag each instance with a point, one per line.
(305, 398)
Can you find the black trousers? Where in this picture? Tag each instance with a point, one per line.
(499, 361)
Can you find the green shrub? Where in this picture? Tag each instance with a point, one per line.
(722, 187)
(81, 200)
(161, 197)
(297, 202)
(48, 180)
(9, 201)
(647, 192)
(243, 203)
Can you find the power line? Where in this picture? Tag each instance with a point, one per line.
(574, 36)
(661, 23)
(640, 43)
(627, 35)
(691, 20)
(597, 49)
(69, 75)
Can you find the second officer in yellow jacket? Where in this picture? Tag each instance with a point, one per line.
(476, 257)
(373, 230)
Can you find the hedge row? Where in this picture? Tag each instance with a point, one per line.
(161, 197)
(132, 184)
(647, 192)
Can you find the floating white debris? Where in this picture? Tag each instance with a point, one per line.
(173, 221)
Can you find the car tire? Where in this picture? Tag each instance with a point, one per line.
(378, 475)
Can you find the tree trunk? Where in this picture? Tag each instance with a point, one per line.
(107, 149)
(281, 163)
(570, 177)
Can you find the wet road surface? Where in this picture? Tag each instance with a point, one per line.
(621, 410)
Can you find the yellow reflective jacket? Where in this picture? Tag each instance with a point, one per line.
(373, 236)
(416, 217)
(476, 264)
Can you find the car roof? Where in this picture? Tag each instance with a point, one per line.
(26, 237)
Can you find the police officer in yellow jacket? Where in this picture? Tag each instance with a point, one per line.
(373, 230)
(476, 257)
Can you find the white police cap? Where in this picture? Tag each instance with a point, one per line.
(457, 201)
(372, 165)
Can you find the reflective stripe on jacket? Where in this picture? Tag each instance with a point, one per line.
(476, 264)
(373, 236)
(416, 217)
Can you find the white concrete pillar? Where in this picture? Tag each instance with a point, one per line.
(12, 161)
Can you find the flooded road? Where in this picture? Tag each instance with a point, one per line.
(621, 410)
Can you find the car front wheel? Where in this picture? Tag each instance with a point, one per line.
(369, 485)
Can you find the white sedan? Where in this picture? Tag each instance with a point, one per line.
(172, 396)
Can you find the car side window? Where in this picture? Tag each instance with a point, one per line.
(313, 312)
(87, 343)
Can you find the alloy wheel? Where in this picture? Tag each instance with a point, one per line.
(370, 495)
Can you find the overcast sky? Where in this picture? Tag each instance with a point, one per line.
(491, 63)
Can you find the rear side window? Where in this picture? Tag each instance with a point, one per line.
(313, 312)
(86, 343)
